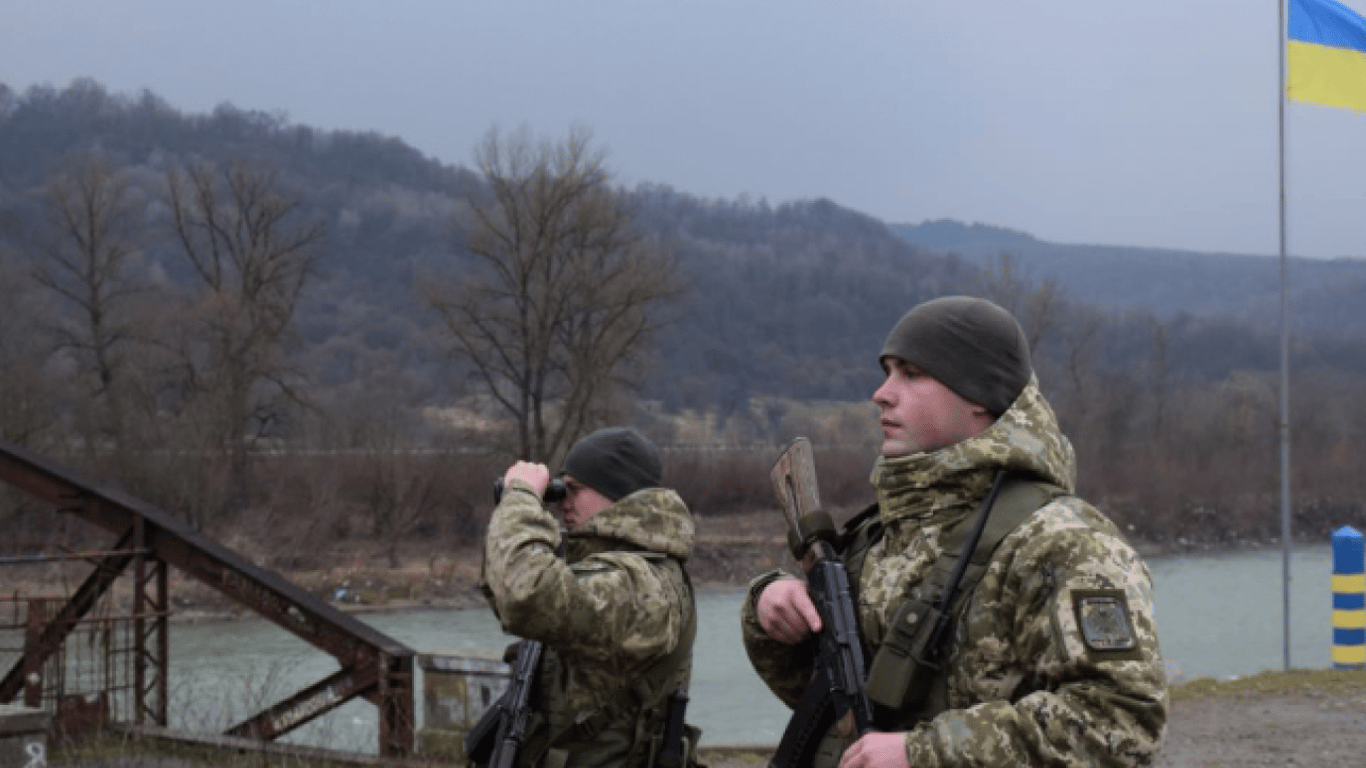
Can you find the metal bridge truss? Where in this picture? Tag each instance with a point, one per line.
(373, 666)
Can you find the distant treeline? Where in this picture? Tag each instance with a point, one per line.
(1174, 416)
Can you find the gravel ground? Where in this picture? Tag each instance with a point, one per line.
(1313, 729)
(1304, 729)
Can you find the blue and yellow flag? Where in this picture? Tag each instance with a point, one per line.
(1326, 55)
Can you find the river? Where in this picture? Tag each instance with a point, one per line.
(1218, 615)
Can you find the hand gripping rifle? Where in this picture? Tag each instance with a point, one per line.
(495, 739)
(837, 690)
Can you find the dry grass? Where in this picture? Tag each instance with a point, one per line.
(1319, 682)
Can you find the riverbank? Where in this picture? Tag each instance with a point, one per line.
(364, 577)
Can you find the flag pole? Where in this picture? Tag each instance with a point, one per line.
(1284, 429)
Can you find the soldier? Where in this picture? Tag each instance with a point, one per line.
(614, 609)
(1052, 655)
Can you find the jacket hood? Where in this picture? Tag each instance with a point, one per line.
(651, 519)
(1026, 439)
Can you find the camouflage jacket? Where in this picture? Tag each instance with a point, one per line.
(616, 603)
(1030, 681)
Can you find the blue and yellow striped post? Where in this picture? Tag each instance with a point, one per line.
(1349, 599)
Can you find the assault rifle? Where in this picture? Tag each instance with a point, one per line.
(673, 752)
(495, 739)
(837, 690)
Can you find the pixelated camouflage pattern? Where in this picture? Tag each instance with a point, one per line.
(1024, 689)
(615, 604)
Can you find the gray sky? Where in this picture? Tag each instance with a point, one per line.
(1142, 123)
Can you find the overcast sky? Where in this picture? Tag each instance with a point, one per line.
(1144, 123)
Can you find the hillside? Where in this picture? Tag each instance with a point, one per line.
(1167, 283)
(1162, 366)
(760, 276)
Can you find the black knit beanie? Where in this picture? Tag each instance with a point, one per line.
(970, 345)
(615, 461)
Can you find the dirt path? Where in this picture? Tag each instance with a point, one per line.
(1308, 730)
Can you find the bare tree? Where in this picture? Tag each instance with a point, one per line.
(1159, 376)
(1039, 308)
(1081, 337)
(253, 250)
(27, 412)
(94, 231)
(565, 297)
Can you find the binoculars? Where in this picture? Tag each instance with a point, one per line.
(554, 492)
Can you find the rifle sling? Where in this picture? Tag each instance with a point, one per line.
(907, 661)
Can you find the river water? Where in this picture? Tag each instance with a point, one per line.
(1219, 616)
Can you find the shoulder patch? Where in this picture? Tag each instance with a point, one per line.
(1103, 618)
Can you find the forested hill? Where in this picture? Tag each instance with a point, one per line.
(788, 300)
(1167, 283)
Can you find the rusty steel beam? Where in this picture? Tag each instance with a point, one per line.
(312, 702)
(50, 638)
(31, 665)
(397, 722)
(151, 645)
(275, 598)
(352, 642)
(388, 690)
(90, 556)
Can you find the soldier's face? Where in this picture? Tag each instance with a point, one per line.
(581, 503)
(919, 414)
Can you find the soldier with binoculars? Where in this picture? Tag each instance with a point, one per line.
(608, 597)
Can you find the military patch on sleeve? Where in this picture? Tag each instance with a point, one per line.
(1103, 618)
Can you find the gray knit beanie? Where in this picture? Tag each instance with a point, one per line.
(970, 345)
(615, 461)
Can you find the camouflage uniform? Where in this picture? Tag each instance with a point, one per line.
(1025, 686)
(617, 603)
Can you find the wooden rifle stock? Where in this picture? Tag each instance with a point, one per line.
(837, 690)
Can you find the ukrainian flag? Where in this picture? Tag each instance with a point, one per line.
(1326, 55)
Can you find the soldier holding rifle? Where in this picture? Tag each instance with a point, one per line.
(613, 611)
(1003, 621)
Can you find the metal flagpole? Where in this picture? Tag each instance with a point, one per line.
(1285, 360)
